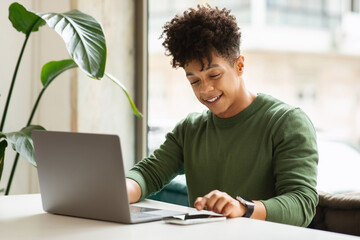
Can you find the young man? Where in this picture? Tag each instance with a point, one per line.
(246, 146)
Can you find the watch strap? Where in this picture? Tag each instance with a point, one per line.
(250, 205)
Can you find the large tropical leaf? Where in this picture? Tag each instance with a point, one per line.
(132, 104)
(24, 20)
(3, 145)
(22, 142)
(84, 39)
(53, 69)
(83, 35)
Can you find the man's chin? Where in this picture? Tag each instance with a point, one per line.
(216, 112)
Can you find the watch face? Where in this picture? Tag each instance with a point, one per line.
(245, 202)
(241, 200)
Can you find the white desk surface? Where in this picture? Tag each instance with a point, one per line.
(22, 217)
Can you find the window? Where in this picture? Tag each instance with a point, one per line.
(305, 13)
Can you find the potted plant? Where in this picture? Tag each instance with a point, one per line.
(85, 42)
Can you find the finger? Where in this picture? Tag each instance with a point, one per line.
(212, 198)
(218, 200)
(200, 203)
(220, 204)
(232, 209)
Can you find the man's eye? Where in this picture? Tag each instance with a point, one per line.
(214, 76)
(194, 82)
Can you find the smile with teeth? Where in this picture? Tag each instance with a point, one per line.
(213, 99)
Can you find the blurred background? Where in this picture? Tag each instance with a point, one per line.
(304, 52)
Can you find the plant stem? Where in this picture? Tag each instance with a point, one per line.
(6, 108)
(13, 83)
(35, 106)
(12, 174)
(17, 154)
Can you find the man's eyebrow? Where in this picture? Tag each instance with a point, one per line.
(212, 66)
(207, 68)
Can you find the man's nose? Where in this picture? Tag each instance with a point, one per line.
(206, 87)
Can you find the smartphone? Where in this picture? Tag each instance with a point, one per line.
(188, 219)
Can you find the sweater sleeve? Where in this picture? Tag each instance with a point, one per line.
(157, 170)
(295, 159)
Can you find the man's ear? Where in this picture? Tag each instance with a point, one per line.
(239, 64)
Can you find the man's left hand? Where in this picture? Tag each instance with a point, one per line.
(220, 202)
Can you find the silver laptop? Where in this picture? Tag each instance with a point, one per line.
(82, 175)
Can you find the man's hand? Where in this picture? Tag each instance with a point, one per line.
(133, 190)
(220, 202)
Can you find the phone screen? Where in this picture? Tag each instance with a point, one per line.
(193, 219)
(197, 216)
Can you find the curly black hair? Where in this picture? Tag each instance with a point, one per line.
(198, 33)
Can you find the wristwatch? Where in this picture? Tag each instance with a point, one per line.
(248, 204)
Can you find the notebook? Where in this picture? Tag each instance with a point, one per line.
(82, 175)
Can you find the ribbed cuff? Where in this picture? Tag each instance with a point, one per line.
(270, 206)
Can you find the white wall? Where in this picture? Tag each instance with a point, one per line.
(102, 105)
(70, 103)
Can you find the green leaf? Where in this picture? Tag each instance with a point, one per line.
(3, 145)
(53, 69)
(84, 39)
(24, 20)
(22, 142)
(132, 104)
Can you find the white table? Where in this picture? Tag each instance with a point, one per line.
(22, 217)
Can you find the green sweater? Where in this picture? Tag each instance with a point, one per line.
(267, 152)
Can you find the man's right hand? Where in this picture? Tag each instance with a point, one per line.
(133, 190)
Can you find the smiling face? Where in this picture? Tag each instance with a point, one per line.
(219, 86)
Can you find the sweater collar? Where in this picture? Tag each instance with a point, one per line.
(241, 116)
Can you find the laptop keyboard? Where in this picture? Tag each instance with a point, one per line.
(134, 209)
(141, 212)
